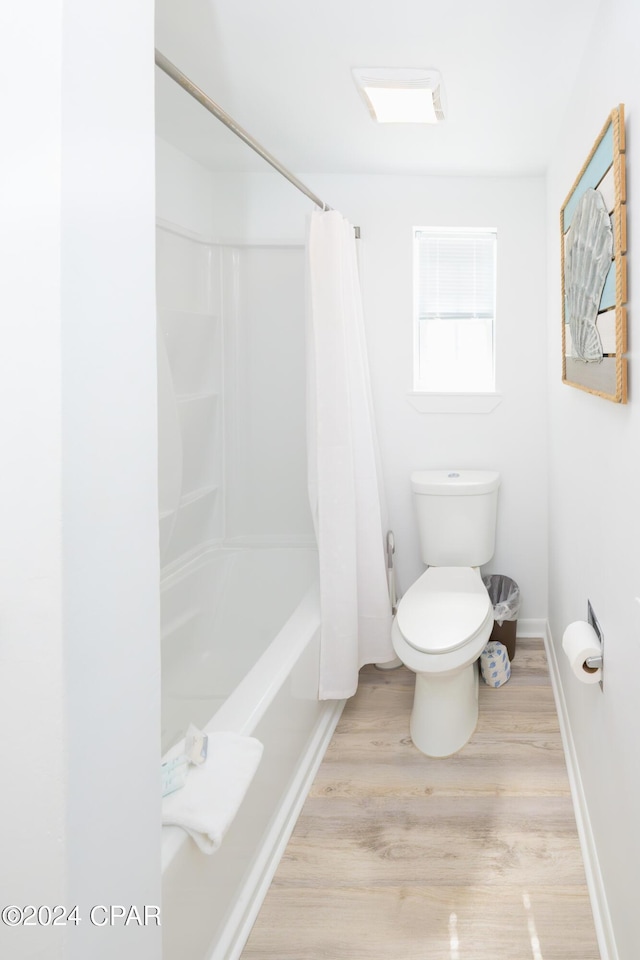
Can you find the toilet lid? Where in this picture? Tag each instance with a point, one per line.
(444, 609)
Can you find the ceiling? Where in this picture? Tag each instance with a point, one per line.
(282, 69)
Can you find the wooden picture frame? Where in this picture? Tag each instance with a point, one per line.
(594, 341)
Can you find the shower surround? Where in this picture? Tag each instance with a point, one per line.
(240, 614)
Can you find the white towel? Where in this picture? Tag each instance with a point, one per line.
(494, 664)
(209, 800)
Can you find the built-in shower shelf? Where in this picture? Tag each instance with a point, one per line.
(192, 497)
(198, 494)
(179, 622)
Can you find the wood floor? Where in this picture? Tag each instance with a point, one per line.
(400, 857)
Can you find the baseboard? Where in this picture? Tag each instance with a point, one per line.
(531, 628)
(595, 883)
(232, 942)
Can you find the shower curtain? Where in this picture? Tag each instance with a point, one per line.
(345, 489)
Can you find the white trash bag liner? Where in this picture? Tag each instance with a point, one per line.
(504, 594)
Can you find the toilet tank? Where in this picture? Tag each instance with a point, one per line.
(456, 512)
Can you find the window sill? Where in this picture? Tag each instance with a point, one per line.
(454, 402)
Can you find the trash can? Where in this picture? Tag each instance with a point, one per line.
(504, 594)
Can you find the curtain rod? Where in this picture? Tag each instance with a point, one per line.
(172, 71)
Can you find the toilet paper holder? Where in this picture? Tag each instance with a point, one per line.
(597, 662)
(583, 643)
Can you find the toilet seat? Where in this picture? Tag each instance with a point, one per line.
(446, 608)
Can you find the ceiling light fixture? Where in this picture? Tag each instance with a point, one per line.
(401, 95)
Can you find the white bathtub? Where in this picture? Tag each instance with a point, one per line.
(241, 653)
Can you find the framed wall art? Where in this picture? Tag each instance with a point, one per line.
(593, 225)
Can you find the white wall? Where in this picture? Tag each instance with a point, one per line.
(186, 194)
(189, 195)
(32, 801)
(110, 523)
(79, 648)
(512, 439)
(593, 484)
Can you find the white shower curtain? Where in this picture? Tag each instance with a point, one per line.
(345, 487)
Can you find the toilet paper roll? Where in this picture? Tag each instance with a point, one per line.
(579, 642)
(494, 664)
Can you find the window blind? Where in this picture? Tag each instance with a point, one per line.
(454, 309)
(456, 274)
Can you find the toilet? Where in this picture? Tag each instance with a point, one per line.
(445, 618)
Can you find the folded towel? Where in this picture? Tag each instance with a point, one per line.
(494, 664)
(209, 800)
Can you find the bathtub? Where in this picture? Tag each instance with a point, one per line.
(240, 653)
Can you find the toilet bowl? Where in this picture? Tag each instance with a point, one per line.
(441, 627)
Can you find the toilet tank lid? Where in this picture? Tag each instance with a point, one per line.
(469, 483)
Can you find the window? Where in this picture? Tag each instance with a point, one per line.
(454, 312)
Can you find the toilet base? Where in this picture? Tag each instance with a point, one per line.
(445, 711)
